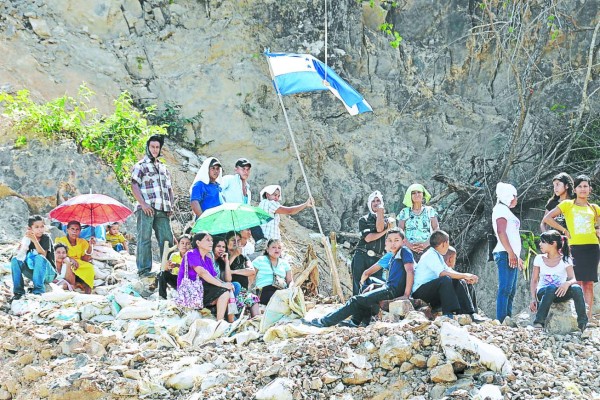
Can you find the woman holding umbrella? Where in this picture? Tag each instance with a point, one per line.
(79, 251)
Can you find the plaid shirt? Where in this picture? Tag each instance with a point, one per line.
(154, 181)
(271, 228)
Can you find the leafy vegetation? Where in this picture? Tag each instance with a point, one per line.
(389, 30)
(530, 248)
(21, 141)
(118, 139)
(170, 117)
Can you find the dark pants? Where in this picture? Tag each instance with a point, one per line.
(451, 294)
(266, 293)
(166, 278)
(547, 295)
(257, 233)
(361, 262)
(160, 223)
(360, 307)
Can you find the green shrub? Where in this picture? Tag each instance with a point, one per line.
(118, 139)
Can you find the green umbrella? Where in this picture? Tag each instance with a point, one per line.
(230, 217)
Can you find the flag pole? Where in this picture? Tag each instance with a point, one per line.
(337, 287)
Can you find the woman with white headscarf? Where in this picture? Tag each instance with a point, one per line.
(417, 219)
(271, 202)
(371, 247)
(507, 251)
(205, 192)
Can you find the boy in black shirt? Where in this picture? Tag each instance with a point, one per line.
(37, 262)
(399, 283)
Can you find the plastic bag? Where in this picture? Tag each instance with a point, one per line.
(284, 302)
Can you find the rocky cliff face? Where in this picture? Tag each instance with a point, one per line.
(449, 100)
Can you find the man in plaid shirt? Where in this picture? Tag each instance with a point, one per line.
(151, 187)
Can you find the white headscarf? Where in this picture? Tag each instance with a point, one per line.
(202, 174)
(270, 190)
(372, 196)
(505, 192)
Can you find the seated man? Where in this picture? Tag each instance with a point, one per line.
(450, 260)
(438, 284)
(399, 283)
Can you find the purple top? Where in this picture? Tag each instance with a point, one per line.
(194, 258)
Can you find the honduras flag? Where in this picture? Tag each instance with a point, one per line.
(297, 73)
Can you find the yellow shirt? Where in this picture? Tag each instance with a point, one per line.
(581, 221)
(115, 239)
(176, 259)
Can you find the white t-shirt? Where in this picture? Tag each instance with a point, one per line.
(551, 276)
(512, 228)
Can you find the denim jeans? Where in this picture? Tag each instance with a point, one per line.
(547, 295)
(160, 223)
(360, 307)
(507, 285)
(37, 268)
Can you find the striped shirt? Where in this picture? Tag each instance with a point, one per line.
(154, 181)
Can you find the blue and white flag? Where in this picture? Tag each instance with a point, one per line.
(297, 73)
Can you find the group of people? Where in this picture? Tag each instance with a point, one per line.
(65, 262)
(412, 250)
(567, 267)
(420, 261)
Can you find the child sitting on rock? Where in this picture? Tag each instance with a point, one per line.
(399, 283)
(116, 238)
(553, 280)
(450, 260)
(168, 277)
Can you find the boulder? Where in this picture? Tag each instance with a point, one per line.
(357, 377)
(462, 350)
(279, 389)
(562, 318)
(442, 373)
(31, 373)
(489, 392)
(394, 351)
(400, 307)
(40, 27)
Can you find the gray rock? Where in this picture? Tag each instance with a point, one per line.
(443, 373)
(13, 219)
(40, 27)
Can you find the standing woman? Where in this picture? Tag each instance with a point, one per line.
(582, 231)
(506, 253)
(216, 292)
(563, 190)
(417, 220)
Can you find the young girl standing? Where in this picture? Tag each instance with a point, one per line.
(582, 230)
(553, 280)
(562, 185)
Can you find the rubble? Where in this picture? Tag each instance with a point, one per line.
(117, 343)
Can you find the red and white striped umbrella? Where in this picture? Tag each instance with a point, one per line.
(91, 209)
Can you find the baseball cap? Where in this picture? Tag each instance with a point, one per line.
(242, 162)
(215, 161)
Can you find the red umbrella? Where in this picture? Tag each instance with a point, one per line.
(91, 209)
